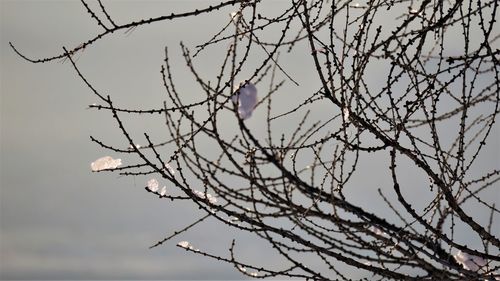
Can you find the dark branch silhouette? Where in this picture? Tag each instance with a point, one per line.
(431, 117)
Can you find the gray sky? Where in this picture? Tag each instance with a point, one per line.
(60, 221)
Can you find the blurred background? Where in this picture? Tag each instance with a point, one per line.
(59, 220)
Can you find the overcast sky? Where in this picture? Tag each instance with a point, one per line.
(59, 220)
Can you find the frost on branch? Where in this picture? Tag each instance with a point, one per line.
(105, 163)
(377, 231)
(153, 185)
(184, 244)
(346, 114)
(163, 191)
(209, 197)
(235, 16)
(469, 262)
(170, 169)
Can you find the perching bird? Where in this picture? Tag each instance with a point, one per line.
(246, 96)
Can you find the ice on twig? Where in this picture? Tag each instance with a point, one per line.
(233, 220)
(242, 269)
(413, 11)
(199, 193)
(469, 262)
(163, 191)
(184, 244)
(377, 231)
(234, 16)
(357, 6)
(246, 97)
(153, 185)
(170, 169)
(105, 163)
(346, 114)
(130, 147)
(209, 197)
(254, 274)
(319, 50)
